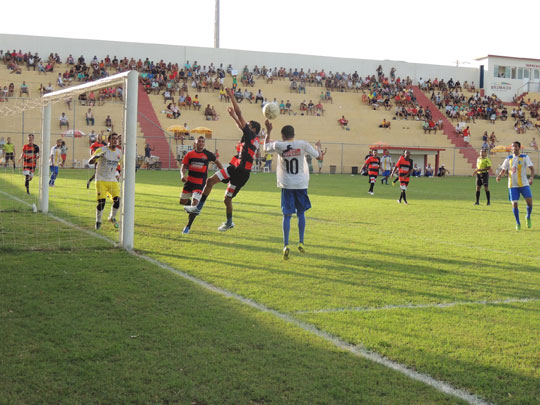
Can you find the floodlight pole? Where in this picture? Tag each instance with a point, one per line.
(216, 26)
(44, 155)
(130, 155)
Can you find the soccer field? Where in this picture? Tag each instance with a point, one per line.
(441, 286)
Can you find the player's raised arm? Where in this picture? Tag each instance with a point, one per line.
(240, 121)
(269, 127)
(98, 154)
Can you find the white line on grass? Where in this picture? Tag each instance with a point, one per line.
(418, 306)
(357, 350)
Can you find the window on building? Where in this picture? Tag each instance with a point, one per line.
(520, 73)
(526, 73)
(536, 74)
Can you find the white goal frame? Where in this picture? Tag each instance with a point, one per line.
(130, 82)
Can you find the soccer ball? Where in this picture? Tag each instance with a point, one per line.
(271, 111)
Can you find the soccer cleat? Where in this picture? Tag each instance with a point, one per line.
(88, 185)
(398, 201)
(225, 226)
(518, 227)
(393, 183)
(301, 248)
(286, 251)
(370, 192)
(477, 203)
(405, 202)
(529, 223)
(98, 225)
(192, 209)
(185, 231)
(488, 203)
(114, 222)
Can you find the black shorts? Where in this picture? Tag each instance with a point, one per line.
(235, 178)
(9, 156)
(482, 179)
(190, 187)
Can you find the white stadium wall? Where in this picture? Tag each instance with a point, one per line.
(507, 77)
(237, 58)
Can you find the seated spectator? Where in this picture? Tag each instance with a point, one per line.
(259, 96)
(89, 117)
(248, 96)
(319, 109)
(442, 171)
(416, 171)
(519, 128)
(533, 144)
(429, 171)
(196, 103)
(537, 124)
(282, 107)
(63, 121)
(385, 124)
(215, 115)
(208, 113)
(223, 96)
(24, 89)
(432, 126)
(288, 107)
(48, 88)
(343, 123)
(60, 81)
(167, 96)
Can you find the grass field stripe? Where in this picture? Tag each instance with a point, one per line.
(419, 306)
(65, 222)
(355, 349)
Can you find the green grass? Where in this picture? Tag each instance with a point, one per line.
(366, 256)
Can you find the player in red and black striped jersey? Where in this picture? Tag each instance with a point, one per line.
(373, 164)
(236, 174)
(93, 147)
(29, 156)
(195, 164)
(404, 167)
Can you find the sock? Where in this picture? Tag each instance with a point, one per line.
(27, 183)
(99, 214)
(404, 196)
(529, 211)
(488, 196)
(201, 202)
(301, 226)
(371, 187)
(112, 215)
(516, 214)
(477, 196)
(396, 179)
(191, 219)
(229, 218)
(286, 229)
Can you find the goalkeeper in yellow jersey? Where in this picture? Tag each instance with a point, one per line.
(107, 174)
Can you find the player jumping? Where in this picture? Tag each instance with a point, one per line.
(238, 171)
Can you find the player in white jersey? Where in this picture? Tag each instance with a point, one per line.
(386, 166)
(293, 178)
(518, 184)
(107, 173)
(55, 160)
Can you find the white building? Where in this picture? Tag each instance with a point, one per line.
(507, 76)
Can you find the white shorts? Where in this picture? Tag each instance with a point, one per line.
(403, 187)
(28, 173)
(186, 196)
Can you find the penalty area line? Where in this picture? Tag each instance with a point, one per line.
(419, 306)
(356, 350)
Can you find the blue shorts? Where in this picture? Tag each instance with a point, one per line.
(294, 201)
(386, 173)
(515, 192)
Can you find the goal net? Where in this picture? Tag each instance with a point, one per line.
(43, 209)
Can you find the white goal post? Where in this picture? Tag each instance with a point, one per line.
(129, 80)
